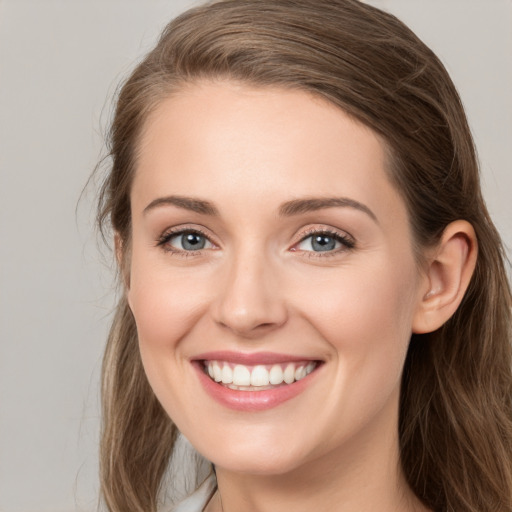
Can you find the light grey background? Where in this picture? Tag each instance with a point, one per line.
(60, 61)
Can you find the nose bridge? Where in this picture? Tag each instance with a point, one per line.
(250, 300)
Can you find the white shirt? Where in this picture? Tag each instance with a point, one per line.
(198, 500)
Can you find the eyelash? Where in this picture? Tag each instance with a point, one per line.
(165, 238)
(346, 241)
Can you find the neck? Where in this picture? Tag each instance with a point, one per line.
(364, 477)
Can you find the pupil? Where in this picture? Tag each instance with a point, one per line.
(193, 242)
(323, 243)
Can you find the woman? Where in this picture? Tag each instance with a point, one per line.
(314, 294)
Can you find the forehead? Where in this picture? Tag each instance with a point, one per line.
(238, 142)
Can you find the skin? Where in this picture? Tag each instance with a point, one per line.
(258, 286)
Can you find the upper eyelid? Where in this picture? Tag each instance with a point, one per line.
(176, 230)
(330, 231)
(169, 233)
(302, 235)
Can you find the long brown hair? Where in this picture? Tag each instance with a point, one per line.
(455, 424)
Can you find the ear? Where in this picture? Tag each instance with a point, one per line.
(123, 260)
(447, 277)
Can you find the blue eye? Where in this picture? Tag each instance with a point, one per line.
(324, 242)
(187, 241)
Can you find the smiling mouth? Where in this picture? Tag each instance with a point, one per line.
(258, 377)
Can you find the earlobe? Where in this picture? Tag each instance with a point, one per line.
(447, 277)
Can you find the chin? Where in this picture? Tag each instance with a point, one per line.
(268, 466)
(257, 458)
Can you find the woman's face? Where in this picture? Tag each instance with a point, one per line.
(269, 244)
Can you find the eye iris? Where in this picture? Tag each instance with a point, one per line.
(192, 242)
(323, 243)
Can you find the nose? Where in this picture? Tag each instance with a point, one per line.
(250, 301)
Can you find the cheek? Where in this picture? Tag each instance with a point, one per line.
(165, 310)
(370, 335)
(366, 316)
(367, 299)
(165, 302)
(156, 309)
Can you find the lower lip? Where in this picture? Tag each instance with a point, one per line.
(252, 400)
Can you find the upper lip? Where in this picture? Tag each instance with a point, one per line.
(251, 359)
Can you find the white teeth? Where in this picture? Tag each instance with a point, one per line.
(217, 372)
(300, 373)
(227, 374)
(241, 376)
(289, 374)
(259, 376)
(276, 375)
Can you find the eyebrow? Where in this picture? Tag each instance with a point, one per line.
(298, 206)
(187, 203)
(288, 209)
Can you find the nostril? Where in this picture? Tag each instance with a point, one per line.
(249, 305)
(249, 329)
